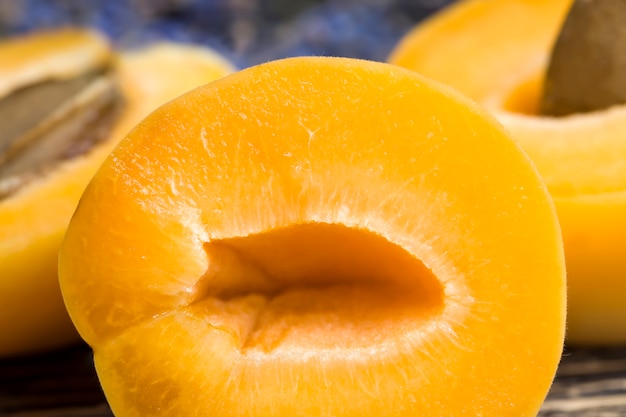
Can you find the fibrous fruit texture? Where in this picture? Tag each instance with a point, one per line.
(500, 63)
(317, 237)
(65, 101)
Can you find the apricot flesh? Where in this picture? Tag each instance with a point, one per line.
(314, 237)
(490, 42)
(580, 157)
(33, 317)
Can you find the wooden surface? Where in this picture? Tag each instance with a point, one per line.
(590, 383)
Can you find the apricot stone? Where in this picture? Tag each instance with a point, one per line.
(318, 237)
(34, 217)
(500, 63)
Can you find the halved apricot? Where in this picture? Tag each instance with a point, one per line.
(39, 193)
(501, 63)
(317, 237)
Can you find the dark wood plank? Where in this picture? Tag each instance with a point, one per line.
(60, 383)
(589, 383)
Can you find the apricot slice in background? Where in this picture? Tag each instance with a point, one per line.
(483, 47)
(37, 204)
(316, 237)
(501, 63)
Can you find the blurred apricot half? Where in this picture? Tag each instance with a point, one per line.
(65, 101)
(318, 237)
(501, 63)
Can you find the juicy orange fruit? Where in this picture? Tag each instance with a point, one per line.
(316, 237)
(580, 157)
(33, 221)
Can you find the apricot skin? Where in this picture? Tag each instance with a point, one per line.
(315, 237)
(33, 317)
(580, 157)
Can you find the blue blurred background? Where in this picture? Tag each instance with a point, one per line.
(246, 31)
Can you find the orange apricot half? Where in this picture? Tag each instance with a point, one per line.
(34, 216)
(501, 63)
(318, 237)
